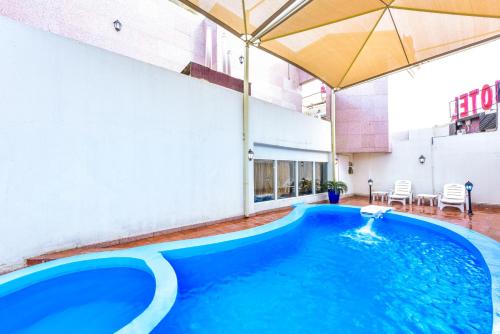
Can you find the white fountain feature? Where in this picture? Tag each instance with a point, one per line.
(366, 234)
(376, 211)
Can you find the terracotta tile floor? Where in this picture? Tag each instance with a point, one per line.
(485, 220)
(197, 232)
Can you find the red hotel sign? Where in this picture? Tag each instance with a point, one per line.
(469, 103)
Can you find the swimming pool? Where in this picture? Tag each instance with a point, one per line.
(314, 272)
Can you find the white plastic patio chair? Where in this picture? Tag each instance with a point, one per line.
(286, 187)
(453, 196)
(401, 193)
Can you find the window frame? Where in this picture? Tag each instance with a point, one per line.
(273, 183)
(302, 163)
(294, 179)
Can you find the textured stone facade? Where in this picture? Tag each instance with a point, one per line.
(362, 118)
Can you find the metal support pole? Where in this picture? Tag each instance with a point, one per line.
(433, 185)
(371, 197)
(470, 204)
(246, 144)
(332, 130)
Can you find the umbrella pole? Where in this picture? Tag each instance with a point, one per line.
(246, 144)
(332, 131)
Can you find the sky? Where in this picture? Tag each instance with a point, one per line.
(422, 100)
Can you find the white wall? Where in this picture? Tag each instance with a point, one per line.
(95, 146)
(278, 134)
(474, 157)
(273, 125)
(402, 163)
(451, 159)
(343, 171)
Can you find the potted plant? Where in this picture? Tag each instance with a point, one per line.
(305, 186)
(335, 189)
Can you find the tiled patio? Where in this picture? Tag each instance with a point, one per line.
(485, 220)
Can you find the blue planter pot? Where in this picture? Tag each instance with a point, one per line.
(333, 197)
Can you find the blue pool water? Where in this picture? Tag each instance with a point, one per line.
(324, 276)
(94, 301)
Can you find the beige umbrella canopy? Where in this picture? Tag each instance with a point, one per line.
(345, 42)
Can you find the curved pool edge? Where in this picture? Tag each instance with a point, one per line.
(163, 299)
(226, 241)
(476, 242)
(153, 263)
(487, 248)
(166, 279)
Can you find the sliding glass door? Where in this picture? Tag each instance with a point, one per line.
(286, 179)
(263, 180)
(305, 177)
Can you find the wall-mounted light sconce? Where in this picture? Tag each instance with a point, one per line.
(250, 155)
(241, 59)
(118, 25)
(350, 170)
(421, 159)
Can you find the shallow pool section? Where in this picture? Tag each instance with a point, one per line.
(95, 293)
(322, 276)
(93, 301)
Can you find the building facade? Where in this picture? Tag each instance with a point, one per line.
(162, 33)
(98, 146)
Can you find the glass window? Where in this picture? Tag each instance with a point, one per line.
(286, 179)
(263, 180)
(305, 177)
(321, 176)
